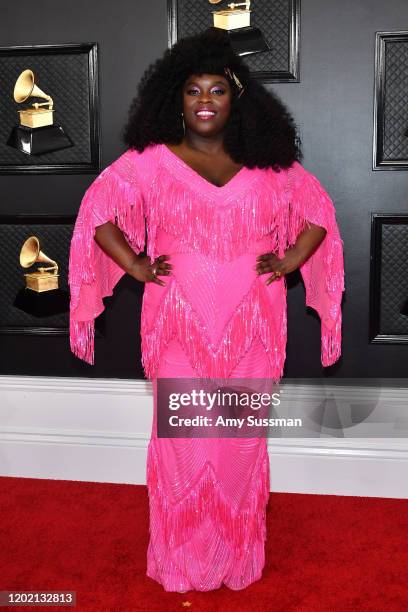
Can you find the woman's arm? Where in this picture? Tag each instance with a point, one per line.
(111, 239)
(307, 242)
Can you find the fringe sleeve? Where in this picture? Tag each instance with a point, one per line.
(116, 196)
(323, 271)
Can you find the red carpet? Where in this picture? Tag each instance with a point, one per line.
(328, 552)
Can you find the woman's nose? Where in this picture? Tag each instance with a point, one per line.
(205, 97)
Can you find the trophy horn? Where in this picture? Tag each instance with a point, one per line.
(30, 254)
(26, 137)
(25, 88)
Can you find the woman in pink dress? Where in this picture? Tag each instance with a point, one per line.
(212, 174)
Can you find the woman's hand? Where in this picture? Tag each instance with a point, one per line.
(308, 241)
(113, 242)
(143, 270)
(269, 262)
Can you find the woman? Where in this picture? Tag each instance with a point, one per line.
(212, 173)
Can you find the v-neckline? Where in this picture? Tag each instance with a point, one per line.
(217, 188)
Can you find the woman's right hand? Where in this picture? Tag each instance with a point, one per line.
(143, 270)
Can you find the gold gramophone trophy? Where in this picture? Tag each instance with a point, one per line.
(36, 133)
(236, 20)
(42, 279)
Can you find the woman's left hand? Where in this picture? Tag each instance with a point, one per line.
(308, 240)
(269, 262)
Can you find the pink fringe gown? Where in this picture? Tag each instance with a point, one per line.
(214, 318)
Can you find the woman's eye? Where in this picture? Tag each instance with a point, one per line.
(195, 91)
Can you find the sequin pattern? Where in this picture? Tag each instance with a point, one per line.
(214, 317)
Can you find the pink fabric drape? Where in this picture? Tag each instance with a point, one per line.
(154, 190)
(215, 317)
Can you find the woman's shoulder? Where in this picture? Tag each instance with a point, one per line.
(135, 166)
(299, 176)
(286, 177)
(298, 170)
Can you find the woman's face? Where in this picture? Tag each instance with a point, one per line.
(206, 103)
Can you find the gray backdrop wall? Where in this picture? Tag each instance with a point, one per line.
(333, 105)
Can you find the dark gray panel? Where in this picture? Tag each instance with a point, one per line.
(277, 19)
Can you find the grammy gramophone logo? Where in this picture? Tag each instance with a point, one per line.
(36, 133)
(41, 297)
(43, 279)
(235, 18)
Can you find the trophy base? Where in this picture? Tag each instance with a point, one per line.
(247, 40)
(37, 141)
(37, 281)
(42, 304)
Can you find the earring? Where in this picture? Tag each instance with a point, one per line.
(184, 125)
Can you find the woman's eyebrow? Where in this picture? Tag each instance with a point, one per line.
(192, 82)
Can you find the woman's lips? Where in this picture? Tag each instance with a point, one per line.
(205, 115)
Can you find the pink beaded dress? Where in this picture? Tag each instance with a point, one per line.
(215, 317)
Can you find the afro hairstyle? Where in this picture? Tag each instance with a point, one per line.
(260, 131)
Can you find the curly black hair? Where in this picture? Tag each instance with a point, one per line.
(260, 131)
